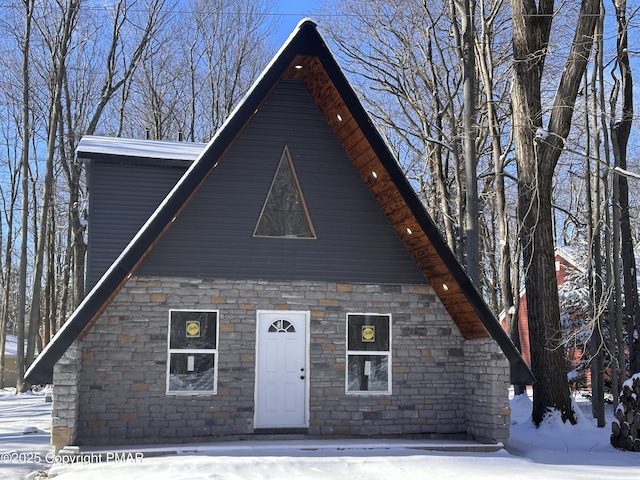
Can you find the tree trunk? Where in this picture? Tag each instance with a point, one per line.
(465, 46)
(24, 216)
(551, 389)
(620, 131)
(7, 272)
(435, 158)
(537, 152)
(76, 246)
(509, 301)
(611, 245)
(615, 303)
(3, 318)
(59, 57)
(595, 271)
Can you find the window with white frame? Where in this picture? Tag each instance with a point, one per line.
(368, 353)
(193, 352)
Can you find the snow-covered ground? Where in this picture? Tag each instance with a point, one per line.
(25, 426)
(552, 451)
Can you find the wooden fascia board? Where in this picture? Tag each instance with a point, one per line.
(383, 185)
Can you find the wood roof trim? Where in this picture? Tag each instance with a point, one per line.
(356, 144)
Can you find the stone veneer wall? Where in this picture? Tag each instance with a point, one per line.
(487, 378)
(64, 412)
(123, 375)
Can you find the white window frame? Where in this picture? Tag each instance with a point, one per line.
(213, 351)
(349, 353)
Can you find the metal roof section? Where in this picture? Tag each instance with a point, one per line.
(306, 57)
(138, 152)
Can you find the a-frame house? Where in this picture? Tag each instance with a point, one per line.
(283, 278)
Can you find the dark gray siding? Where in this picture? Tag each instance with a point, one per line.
(121, 199)
(213, 236)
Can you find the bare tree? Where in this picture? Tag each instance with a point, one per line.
(509, 301)
(465, 39)
(220, 48)
(620, 131)
(595, 265)
(59, 41)
(24, 217)
(79, 69)
(401, 55)
(9, 201)
(129, 36)
(538, 148)
(613, 268)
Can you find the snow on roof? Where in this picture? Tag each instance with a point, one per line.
(571, 255)
(129, 147)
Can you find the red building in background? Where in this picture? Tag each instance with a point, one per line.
(565, 265)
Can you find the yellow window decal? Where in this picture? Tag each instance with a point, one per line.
(193, 329)
(368, 333)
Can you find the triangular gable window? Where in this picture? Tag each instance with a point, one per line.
(284, 213)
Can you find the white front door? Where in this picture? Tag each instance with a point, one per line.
(281, 370)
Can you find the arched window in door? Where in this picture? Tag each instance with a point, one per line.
(282, 326)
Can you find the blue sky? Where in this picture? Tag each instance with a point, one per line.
(291, 12)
